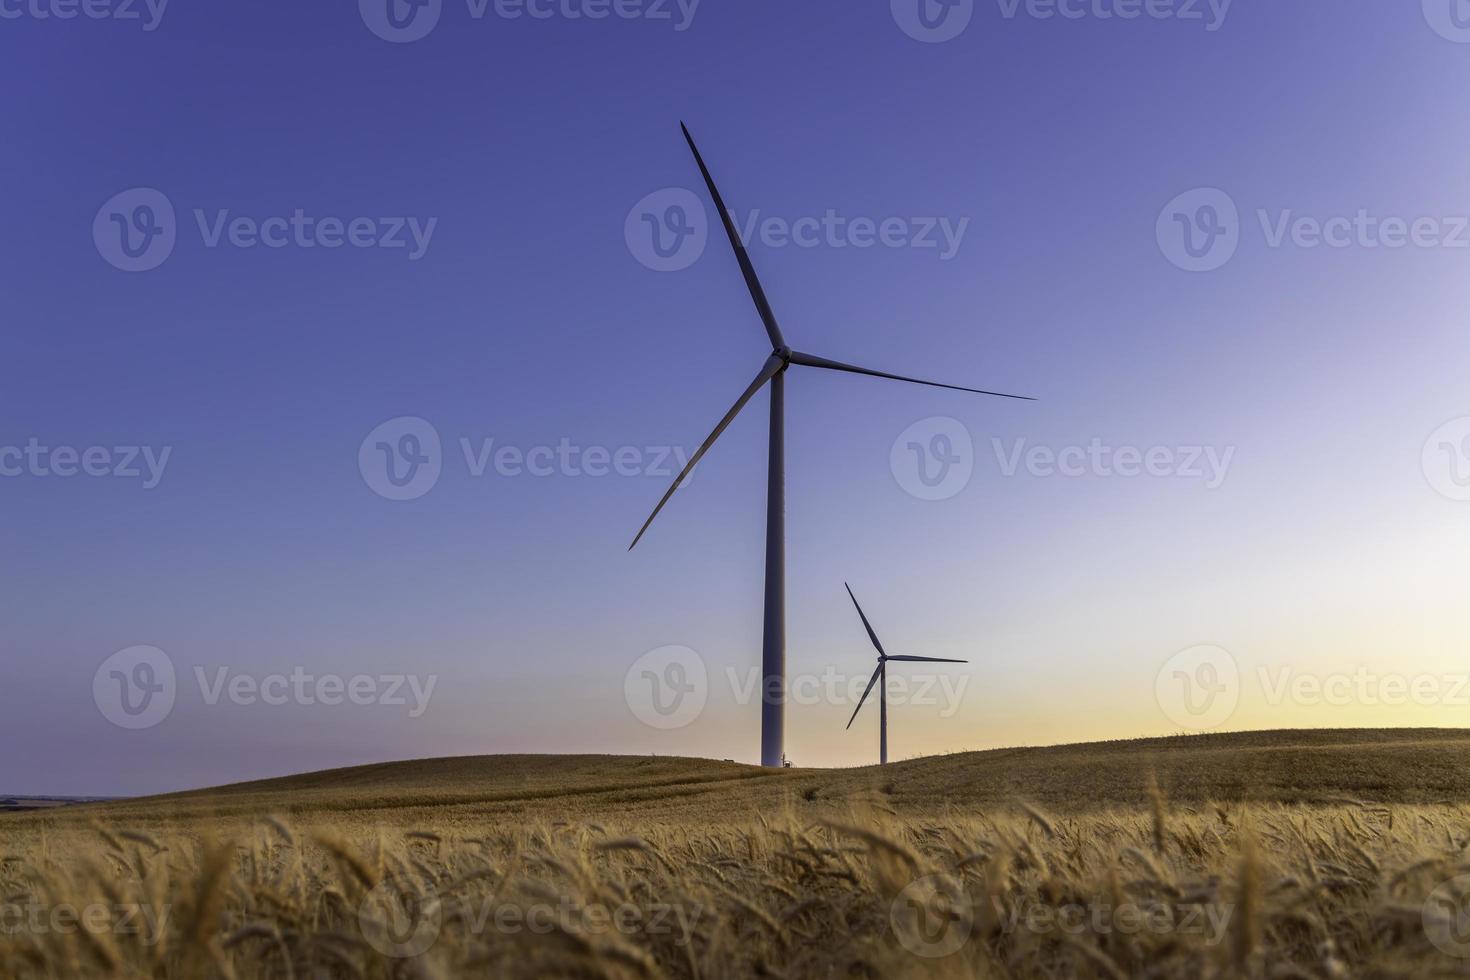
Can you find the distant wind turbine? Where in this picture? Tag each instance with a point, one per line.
(773, 647)
(880, 677)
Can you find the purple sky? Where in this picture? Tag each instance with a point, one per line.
(368, 227)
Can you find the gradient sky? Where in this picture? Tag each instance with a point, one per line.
(1327, 548)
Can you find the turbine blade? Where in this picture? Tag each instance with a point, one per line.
(929, 660)
(866, 625)
(811, 360)
(769, 370)
(864, 698)
(762, 305)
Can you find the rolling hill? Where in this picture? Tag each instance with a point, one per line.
(1291, 767)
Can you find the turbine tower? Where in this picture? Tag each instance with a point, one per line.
(880, 677)
(773, 372)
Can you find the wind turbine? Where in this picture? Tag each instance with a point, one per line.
(773, 371)
(880, 677)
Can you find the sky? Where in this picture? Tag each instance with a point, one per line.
(256, 252)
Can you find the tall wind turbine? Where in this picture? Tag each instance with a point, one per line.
(773, 371)
(880, 677)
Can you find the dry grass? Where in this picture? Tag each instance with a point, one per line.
(831, 885)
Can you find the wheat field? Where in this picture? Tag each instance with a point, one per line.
(586, 867)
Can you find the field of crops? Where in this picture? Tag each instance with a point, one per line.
(650, 868)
